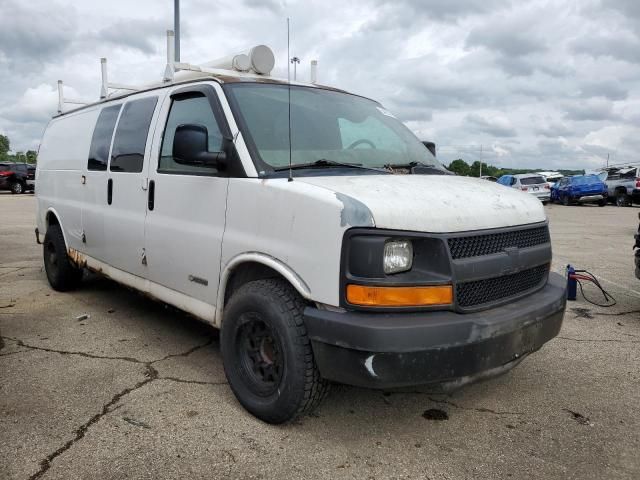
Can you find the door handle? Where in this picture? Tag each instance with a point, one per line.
(152, 195)
(109, 191)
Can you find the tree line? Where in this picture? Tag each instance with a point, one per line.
(460, 167)
(30, 156)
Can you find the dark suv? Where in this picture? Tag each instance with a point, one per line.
(637, 255)
(17, 177)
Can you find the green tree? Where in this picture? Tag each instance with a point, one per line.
(475, 169)
(459, 167)
(32, 156)
(5, 146)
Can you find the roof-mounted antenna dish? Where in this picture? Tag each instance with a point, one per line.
(259, 59)
(262, 59)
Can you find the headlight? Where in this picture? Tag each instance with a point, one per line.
(398, 256)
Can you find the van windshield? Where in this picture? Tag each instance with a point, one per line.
(326, 126)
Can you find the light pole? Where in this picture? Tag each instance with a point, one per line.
(176, 28)
(295, 61)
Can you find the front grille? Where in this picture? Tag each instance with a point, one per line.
(471, 294)
(487, 244)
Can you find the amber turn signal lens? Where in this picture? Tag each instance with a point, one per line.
(399, 296)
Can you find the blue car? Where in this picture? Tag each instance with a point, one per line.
(580, 189)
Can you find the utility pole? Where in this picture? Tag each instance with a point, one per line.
(607, 159)
(481, 160)
(176, 28)
(295, 61)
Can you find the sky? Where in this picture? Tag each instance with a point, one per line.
(543, 83)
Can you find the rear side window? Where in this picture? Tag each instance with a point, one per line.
(101, 140)
(532, 180)
(131, 135)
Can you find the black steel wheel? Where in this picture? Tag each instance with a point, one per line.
(62, 274)
(267, 354)
(260, 354)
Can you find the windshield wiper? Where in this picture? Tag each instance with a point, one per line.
(419, 168)
(323, 163)
(410, 165)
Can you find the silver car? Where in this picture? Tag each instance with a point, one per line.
(528, 182)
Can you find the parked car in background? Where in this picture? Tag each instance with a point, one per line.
(580, 189)
(489, 178)
(623, 185)
(637, 249)
(31, 178)
(17, 177)
(551, 177)
(528, 182)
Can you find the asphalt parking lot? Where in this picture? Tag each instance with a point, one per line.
(105, 383)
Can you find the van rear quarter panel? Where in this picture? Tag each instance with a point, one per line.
(63, 154)
(297, 224)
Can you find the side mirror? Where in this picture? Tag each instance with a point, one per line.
(191, 147)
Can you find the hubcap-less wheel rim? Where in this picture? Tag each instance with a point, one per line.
(260, 355)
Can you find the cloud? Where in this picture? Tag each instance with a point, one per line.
(495, 125)
(35, 104)
(30, 35)
(611, 89)
(543, 83)
(619, 45)
(591, 109)
(144, 35)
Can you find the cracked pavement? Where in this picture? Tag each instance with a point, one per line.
(137, 389)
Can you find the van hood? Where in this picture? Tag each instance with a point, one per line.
(429, 203)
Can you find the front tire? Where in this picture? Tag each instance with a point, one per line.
(602, 203)
(267, 354)
(565, 201)
(62, 274)
(17, 188)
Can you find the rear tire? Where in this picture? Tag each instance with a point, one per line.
(62, 274)
(267, 354)
(622, 200)
(17, 188)
(602, 203)
(565, 201)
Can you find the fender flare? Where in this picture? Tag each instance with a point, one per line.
(53, 211)
(256, 257)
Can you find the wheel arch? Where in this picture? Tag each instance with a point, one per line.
(52, 217)
(251, 266)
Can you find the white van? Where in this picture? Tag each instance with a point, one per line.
(362, 264)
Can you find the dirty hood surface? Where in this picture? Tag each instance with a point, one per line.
(429, 203)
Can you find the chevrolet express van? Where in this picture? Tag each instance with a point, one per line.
(333, 247)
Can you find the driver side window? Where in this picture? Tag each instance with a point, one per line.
(190, 109)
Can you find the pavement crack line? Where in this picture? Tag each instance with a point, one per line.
(618, 314)
(151, 374)
(194, 382)
(598, 340)
(21, 343)
(12, 353)
(481, 410)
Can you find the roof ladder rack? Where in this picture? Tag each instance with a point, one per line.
(104, 89)
(62, 100)
(173, 66)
